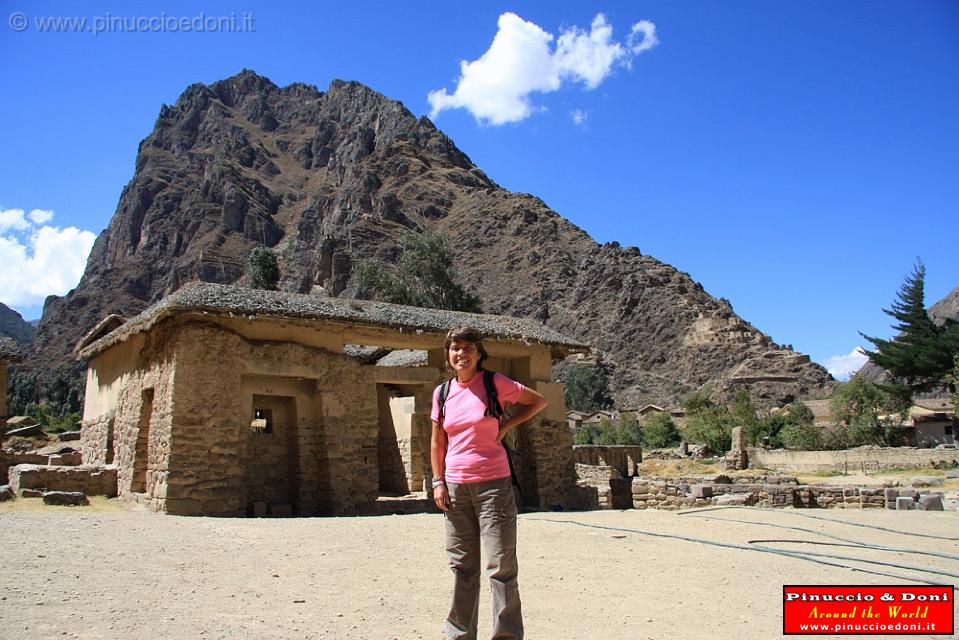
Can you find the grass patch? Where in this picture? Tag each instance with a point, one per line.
(676, 468)
(827, 473)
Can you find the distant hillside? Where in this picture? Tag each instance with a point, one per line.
(329, 179)
(12, 325)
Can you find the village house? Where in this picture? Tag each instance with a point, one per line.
(929, 422)
(645, 414)
(220, 400)
(932, 422)
(9, 353)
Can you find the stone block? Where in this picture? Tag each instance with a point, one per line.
(259, 509)
(30, 430)
(952, 473)
(904, 503)
(890, 494)
(31, 493)
(6, 493)
(908, 493)
(702, 491)
(733, 499)
(891, 505)
(930, 502)
(926, 481)
(68, 436)
(65, 498)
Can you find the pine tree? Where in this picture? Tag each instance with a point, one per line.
(922, 353)
(264, 270)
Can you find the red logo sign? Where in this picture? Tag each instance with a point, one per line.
(872, 610)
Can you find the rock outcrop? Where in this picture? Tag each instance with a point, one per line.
(330, 179)
(12, 325)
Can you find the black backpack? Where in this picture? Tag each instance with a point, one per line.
(493, 408)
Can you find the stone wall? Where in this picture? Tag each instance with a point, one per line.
(127, 414)
(624, 458)
(96, 440)
(602, 487)
(100, 481)
(858, 460)
(671, 494)
(330, 444)
(543, 458)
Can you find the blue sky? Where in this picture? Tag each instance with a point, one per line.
(794, 157)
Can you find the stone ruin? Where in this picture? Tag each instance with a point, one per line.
(226, 401)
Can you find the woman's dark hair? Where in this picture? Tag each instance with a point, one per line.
(464, 334)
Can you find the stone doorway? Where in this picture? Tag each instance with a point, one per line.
(272, 478)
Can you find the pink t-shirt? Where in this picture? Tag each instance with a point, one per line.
(473, 455)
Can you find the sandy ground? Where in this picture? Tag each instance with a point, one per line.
(126, 573)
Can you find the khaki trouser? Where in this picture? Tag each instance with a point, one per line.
(483, 513)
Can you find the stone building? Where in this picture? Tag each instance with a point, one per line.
(220, 400)
(9, 353)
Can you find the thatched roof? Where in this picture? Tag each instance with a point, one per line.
(10, 350)
(229, 301)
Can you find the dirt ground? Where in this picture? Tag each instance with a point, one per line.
(109, 572)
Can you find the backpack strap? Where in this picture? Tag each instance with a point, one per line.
(444, 391)
(493, 407)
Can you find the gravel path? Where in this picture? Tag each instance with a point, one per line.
(75, 573)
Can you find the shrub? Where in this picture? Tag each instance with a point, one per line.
(661, 432)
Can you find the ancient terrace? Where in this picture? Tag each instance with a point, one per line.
(223, 400)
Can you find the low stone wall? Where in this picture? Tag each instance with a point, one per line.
(10, 459)
(602, 487)
(99, 481)
(858, 460)
(663, 494)
(623, 458)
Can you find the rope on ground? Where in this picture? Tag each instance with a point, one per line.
(809, 515)
(744, 547)
(856, 543)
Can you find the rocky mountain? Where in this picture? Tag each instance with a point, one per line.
(329, 179)
(12, 325)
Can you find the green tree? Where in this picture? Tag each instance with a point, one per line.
(712, 426)
(801, 436)
(661, 432)
(424, 277)
(922, 354)
(744, 415)
(697, 401)
(264, 269)
(625, 431)
(865, 413)
(587, 388)
(588, 433)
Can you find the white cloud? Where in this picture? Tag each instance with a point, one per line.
(40, 216)
(39, 261)
(496, 87)
(642, 37)
(13, 219)
(579, 117)
(842, 367)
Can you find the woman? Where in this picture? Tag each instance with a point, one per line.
(472, 486)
